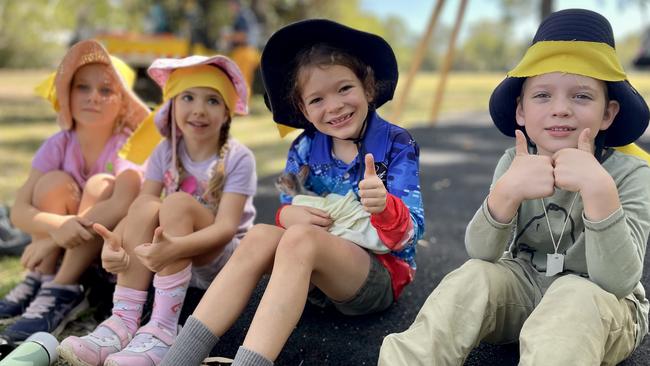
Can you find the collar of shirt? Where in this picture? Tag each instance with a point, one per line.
(375, 141)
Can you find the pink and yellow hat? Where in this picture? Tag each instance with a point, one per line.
(56, 88)
(176, 75)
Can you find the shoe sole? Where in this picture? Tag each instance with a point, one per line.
(70, 357)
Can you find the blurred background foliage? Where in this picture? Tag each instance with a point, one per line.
(36, 33)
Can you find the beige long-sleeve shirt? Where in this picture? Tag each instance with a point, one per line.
(609, 252)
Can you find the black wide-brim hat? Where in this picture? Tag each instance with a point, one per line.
(581, 42)
(278, 63)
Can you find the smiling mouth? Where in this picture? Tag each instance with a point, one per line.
(560, 129)
(339, 120)
(197, 124)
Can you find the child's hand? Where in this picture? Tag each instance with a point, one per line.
(36, 251)
(75, 231)
(371, 189)
(114, 258)
(529, 176)
(158, 254)
(292, 215)
(576, 169)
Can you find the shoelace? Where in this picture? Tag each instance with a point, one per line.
(39, 306)
(20, 292)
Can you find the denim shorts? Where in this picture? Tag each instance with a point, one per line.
(375, 295)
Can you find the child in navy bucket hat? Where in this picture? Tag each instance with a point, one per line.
(557, 247)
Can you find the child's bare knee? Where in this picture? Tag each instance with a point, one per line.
(298, 241)
(99, 186)
(176, 205)
(55, 185)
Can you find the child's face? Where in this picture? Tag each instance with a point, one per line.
(200, 112)
(334, 100)
(556, 107)
(95, 99)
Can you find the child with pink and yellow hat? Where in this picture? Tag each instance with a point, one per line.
(77, 179)
(207, 181)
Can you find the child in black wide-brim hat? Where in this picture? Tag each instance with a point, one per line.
(327, 79)
(571, 214)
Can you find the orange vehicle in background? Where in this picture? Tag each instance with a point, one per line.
(140, 50)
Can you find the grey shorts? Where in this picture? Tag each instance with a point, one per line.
(375, 295)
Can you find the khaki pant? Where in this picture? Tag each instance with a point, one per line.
(574, 323)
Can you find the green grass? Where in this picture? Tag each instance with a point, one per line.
(26, 120)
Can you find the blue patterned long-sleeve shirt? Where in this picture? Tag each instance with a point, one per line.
(396, 157)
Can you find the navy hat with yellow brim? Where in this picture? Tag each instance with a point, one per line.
(581, 42)
(278, 63)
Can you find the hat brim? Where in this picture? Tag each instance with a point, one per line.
(82, 54)
(161, 68)
(628, 125)
(278, 60)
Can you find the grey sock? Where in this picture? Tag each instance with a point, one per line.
(246, 357)
(192, 345)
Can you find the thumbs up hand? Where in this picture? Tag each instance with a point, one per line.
(577, 167)
(529, 176)
(157, 254)
(371, 189)
(114, 258)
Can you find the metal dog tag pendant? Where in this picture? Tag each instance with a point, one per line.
(554, 264)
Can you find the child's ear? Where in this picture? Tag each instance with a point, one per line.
(611, 110)
(519, 113)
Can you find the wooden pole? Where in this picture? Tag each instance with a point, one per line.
(449, 58)
(417, 62)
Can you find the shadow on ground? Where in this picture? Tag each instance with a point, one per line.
(456, 163)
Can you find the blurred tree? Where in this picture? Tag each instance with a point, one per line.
(35, 33)
(487, 51)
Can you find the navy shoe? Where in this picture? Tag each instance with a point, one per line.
(52, 309)
(16, 301)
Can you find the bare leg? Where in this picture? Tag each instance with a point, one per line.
(180, 215)
(56, 192)
(232, 288)
(141, 221)
(336, 266)
(76, 260)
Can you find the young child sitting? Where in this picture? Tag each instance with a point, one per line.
(77, 179)
(208, 180)
(336, 76)
(572, 214)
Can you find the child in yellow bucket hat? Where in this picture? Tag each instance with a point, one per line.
(207, 180)
(557, 247)
(76, 180)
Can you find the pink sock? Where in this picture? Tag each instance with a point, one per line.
(127, 304)
(170, 294)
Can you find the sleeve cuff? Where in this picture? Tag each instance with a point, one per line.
(277, 216)
(493, 222)
(605, 223)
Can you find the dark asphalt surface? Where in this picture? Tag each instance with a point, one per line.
(456, 164)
